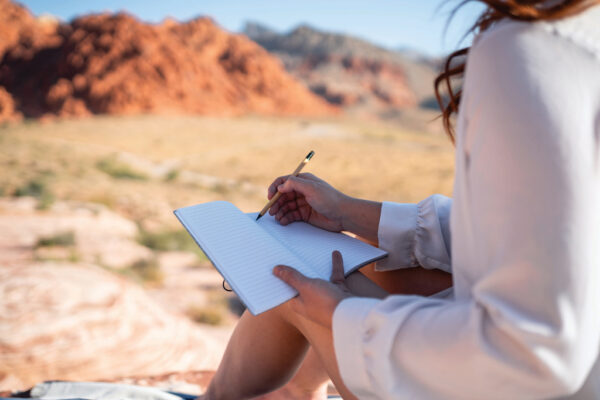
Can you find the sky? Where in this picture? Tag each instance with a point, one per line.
(413, 24)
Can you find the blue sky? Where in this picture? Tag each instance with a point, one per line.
(416, 24)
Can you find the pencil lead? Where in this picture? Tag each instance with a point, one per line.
(258, 217)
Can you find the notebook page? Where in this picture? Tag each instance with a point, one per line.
(242, 252)
(314, 245)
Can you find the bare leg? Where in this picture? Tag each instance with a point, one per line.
(418, 280)
(265, 351)
(309, 383)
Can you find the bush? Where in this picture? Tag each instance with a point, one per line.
(206, 315)
(119, 170)
(146, 271)
(35, 188)
(39, 189)
(171, 240)
(63, 239)
(45, 254)
(45, 201)
(172, 175)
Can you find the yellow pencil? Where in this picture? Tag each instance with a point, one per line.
(278, 194)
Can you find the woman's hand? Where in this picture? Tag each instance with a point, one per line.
(317, 299)
(309, 199)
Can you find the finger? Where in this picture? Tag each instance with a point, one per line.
(273, 188)
(288, 218)
(293, 183)
(292, 205)
(282, 211)
(337, 267)
(276, 206)
(301, 202)
(290, 276)
(285, 220)
(285, 197)
(308, 176)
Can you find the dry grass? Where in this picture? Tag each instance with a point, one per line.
(233, 159)
(60, 239)
(170, 240)
(207, 315)
(143, 167)
(144, 271)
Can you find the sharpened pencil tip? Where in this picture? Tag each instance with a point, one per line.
(258, 217)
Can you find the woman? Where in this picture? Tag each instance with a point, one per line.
(522, 321)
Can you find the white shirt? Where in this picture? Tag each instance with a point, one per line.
(524, 318)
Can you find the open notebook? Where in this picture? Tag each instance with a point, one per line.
(245, 251)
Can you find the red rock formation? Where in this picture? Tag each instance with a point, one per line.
(7, 107)
(349, 72)
(22, 34)
(350, 81)
(15, 21)
(116, 64)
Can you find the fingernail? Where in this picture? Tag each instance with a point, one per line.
(280, 187)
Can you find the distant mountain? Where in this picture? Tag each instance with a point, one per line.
(351, 72)
(116, 64)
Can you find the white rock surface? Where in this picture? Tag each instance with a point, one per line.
(81, 322)
(74, 320)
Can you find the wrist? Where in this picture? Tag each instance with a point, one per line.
(361, 217)
(347, 207)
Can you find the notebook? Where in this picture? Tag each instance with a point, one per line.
(245, 251)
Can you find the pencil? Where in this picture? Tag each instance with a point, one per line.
(278, 194)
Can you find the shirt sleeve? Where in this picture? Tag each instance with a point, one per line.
(527, 325)
(416, 234)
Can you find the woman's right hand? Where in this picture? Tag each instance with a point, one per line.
(309, 199)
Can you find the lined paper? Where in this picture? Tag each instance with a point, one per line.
(244, 253)
(314, 245)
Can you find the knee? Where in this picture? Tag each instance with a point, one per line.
(286, 313)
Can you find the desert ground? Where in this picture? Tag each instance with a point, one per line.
(89, 244)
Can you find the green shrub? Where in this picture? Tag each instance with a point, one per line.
(206, 315)
(35, 188)
(146, 271)
(170, 240)
(39, 189)
(119, 170)
(172, 175)
(63, 239)
(71, 255)
(45, 201)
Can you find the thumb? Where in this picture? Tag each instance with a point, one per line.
(294, 184)
(290, 276)
(337, 267)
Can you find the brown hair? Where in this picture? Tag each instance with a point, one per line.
(520, 10)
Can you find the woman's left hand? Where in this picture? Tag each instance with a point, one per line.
(317, 298)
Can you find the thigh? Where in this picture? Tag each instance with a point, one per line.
(418, 280)
(321, 341)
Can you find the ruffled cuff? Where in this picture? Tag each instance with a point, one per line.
(397, 232)
(416, 234)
